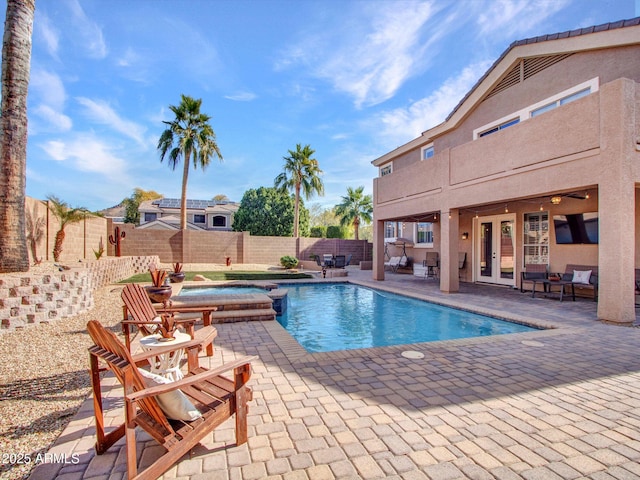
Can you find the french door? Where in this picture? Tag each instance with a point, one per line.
(495, 249)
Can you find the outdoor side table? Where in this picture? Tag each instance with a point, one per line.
(166, 364)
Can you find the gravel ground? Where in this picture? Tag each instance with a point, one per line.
(44, 379)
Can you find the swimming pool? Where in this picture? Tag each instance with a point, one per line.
(189, 292)
(329, 317)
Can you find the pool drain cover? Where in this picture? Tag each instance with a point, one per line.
(412, 354)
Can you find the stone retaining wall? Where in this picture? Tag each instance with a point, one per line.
(41, 295)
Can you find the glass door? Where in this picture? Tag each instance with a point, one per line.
(496, 249)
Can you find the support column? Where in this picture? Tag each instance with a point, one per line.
(616, 203)
(616, 252)
(449, 230)
(378, 250)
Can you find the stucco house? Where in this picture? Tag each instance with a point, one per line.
(164, 213)
(547, 139)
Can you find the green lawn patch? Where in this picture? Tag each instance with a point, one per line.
(231, 275)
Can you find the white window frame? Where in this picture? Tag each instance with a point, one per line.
(393, 230)
(427, 152)
(417, 244)
(557, 102)
(386, 169)
(535, 237)
(501, 126)
(592, 85)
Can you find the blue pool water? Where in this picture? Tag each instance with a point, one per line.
(324, 318)
(189, 292)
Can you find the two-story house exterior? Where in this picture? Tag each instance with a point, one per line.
(164, 213)
(548, 138)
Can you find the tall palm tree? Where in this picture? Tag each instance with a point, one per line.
(300, 172)
(188, 136)
(16, 64)
(355, 208)
(66, 215)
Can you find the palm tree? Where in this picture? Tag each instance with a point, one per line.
(355, 209)
(188, 136)
(16, 62)
(66, 215)
(300, 172)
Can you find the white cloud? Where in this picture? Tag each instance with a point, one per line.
(91, 38)
(242, 96)
(511, 18)
(58, 120)
(100, 112)
(48, 97)
(404, 124)
(129, 58)
(48, 88)
(88, 154)
(372, 53)
(48, 33)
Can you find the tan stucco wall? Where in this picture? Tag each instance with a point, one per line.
(607, 65)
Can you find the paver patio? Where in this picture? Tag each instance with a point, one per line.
(562, 403)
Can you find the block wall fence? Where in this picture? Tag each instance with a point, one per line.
(189, 246)
(81, 239)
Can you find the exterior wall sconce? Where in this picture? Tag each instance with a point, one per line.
(556, 199)
(465, 235)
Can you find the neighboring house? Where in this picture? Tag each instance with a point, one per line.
(538, 163)
(164, 213)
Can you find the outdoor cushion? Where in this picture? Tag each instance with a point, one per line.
(174, 404)
(581, 276)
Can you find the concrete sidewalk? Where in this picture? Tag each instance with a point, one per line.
(562, 403)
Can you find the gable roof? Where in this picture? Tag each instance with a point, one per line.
(544, 48)
(546, 38)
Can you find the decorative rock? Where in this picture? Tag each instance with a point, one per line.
(199, 278)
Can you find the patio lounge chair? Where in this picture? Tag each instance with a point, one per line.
(202, 400)
(138, 311)
(340, 261)
(534, 274)
(348, 262)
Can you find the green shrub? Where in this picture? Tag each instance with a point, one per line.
(336, 231)
(319, 232)
(288, 261)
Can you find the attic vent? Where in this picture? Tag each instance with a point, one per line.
(529, 67)
(509, 80)
(537, 64)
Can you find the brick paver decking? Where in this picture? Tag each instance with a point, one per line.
(562, 403)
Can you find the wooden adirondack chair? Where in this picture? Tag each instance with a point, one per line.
(215, 396)
(138, 310)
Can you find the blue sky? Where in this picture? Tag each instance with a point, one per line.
(353, 79)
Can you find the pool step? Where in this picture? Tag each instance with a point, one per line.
(243, 315)
(232, 307)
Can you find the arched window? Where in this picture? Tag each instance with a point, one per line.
(219, 221)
